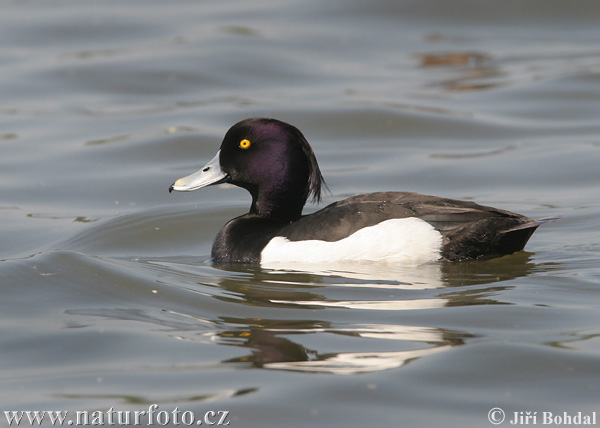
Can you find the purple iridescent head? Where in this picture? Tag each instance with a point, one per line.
(269, 158)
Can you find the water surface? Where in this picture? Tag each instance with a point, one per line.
(107, 294)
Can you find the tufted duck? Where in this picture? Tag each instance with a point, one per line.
(274, 162)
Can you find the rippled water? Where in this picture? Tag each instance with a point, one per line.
(107, 295)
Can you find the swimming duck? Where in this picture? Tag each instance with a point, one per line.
(274, 162)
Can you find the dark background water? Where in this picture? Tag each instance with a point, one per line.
(107, 296)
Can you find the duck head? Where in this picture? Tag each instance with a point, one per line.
(269, 158)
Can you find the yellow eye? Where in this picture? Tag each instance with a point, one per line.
(245, 144)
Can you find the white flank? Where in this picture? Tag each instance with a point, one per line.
(401, 240)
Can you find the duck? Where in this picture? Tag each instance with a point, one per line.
(274, 162)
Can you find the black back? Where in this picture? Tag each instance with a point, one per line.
(469, 230)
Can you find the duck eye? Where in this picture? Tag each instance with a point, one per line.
(245, 144)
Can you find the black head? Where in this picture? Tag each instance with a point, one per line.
(269, 158)
(274, 162)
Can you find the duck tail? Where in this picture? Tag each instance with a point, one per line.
(546, 220)
(532, 224)
(515, 238)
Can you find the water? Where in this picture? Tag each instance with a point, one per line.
(107, 295)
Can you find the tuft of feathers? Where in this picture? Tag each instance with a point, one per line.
(316, 183)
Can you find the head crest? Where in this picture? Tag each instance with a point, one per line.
(316, 183)
(278, 130)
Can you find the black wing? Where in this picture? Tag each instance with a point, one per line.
(469, 230)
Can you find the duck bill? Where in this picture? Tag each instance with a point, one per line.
(210, 174)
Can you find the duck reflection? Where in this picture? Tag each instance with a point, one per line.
(271, 349)
(334, 319)
(430, 275)
(278, 343)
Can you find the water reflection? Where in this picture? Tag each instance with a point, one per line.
(476, 73)
(447, 59)
(357, 362)
(271, 350)
(409, 277)
(79, 219)
(291, 320)
(381, 275)
(435, 286)
(150, 399)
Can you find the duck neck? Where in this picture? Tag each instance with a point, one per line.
(285, 206)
